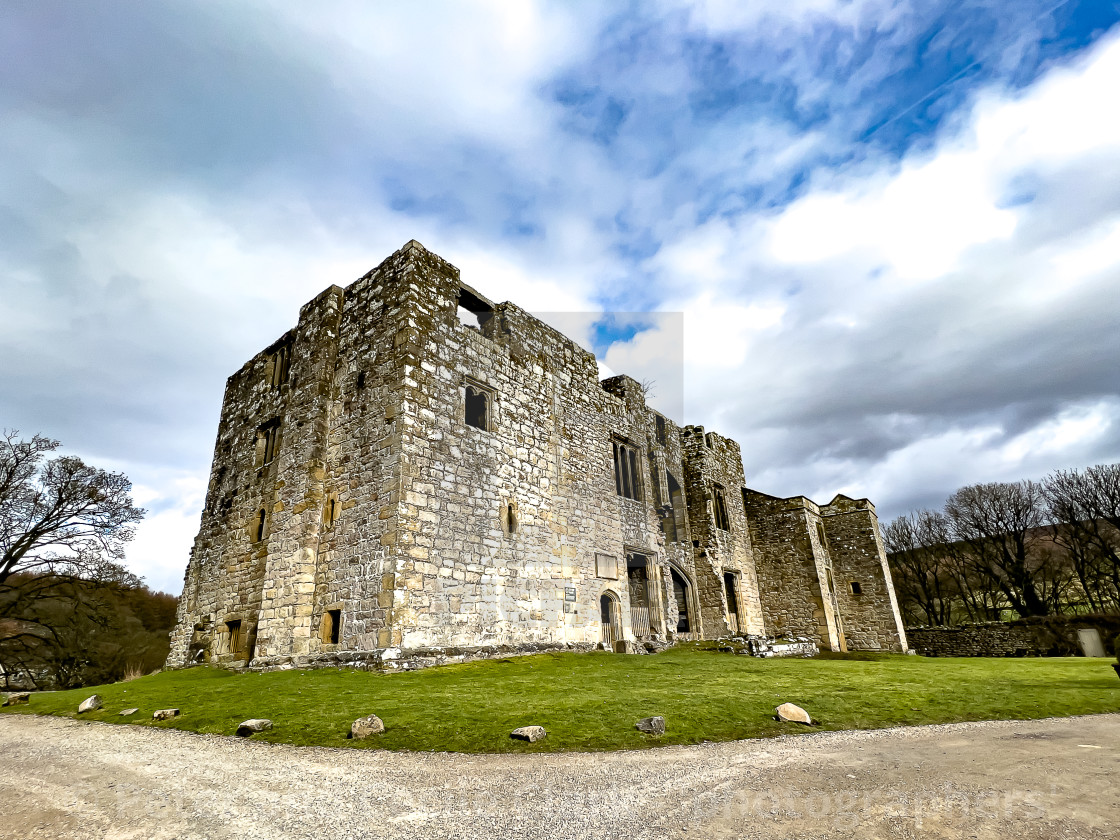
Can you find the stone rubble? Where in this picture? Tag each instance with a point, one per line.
(532, 734)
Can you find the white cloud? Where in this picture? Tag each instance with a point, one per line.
(918, 288)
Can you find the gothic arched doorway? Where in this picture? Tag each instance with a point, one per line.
(609, 617)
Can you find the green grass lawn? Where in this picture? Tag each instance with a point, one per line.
(590, 701)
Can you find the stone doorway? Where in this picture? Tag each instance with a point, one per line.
(608, 616)
(637, 580)
(681, 594)
(731, 586)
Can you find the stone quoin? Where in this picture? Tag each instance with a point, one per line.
(393, 487)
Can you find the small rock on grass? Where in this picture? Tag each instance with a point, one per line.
(364, 727)
(165, 714)
(90, 704)
(793, 714)
(253, 725)
(17, 698)
(128, 712)
(651, 725)
(529, 733)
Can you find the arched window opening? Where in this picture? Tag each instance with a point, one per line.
(478, 408)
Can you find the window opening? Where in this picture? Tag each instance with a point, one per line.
(857, 588)
(627, 480)
(478, 408)
(720, 508)
(281, 364)
(271, 436)
(262, 525)
(473, 310)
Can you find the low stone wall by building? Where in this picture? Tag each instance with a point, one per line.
(1054, 635)
(995, 639)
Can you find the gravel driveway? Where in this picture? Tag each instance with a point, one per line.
(1047, 779)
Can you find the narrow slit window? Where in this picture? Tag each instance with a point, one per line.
(857, 588)
(270, 436)
(719, 506)
(262, 525)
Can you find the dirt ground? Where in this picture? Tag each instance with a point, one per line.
(1050, 779)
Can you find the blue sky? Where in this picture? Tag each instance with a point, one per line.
(892, 229)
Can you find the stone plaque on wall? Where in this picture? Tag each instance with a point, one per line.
(606, 566)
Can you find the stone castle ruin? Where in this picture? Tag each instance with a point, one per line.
(392, 487)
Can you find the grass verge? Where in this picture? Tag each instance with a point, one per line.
(590, 701)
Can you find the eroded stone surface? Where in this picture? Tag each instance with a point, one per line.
(165, 714)
(252, 726)
(90, 704)
(17, 698)
(652, 725)
(128, 712)
(529, 733)
(413, 474)
(364, 727)
(792, 713)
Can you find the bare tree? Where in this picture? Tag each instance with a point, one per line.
(63, 526)
(918, 548)
(1085, 511)
(1002, 526)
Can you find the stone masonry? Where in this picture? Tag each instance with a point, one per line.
(391, 485)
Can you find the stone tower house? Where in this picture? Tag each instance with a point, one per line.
(393, 486)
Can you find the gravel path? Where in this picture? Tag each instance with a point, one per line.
(1038, 779)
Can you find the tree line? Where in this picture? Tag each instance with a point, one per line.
(70, 612)
(1029, 548)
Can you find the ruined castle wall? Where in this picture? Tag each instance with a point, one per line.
(792, 568)
(249, 566)
(871, 616)
(468, 573)
(712, 464)
(361, 505)
(391, 522)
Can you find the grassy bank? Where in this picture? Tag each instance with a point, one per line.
(591, 701)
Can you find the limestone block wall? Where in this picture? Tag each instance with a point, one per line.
(360, 508)
(713, 464)
(252, 560)
(864, 589)
(498, 525)
(792, 568)
(394, 518)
